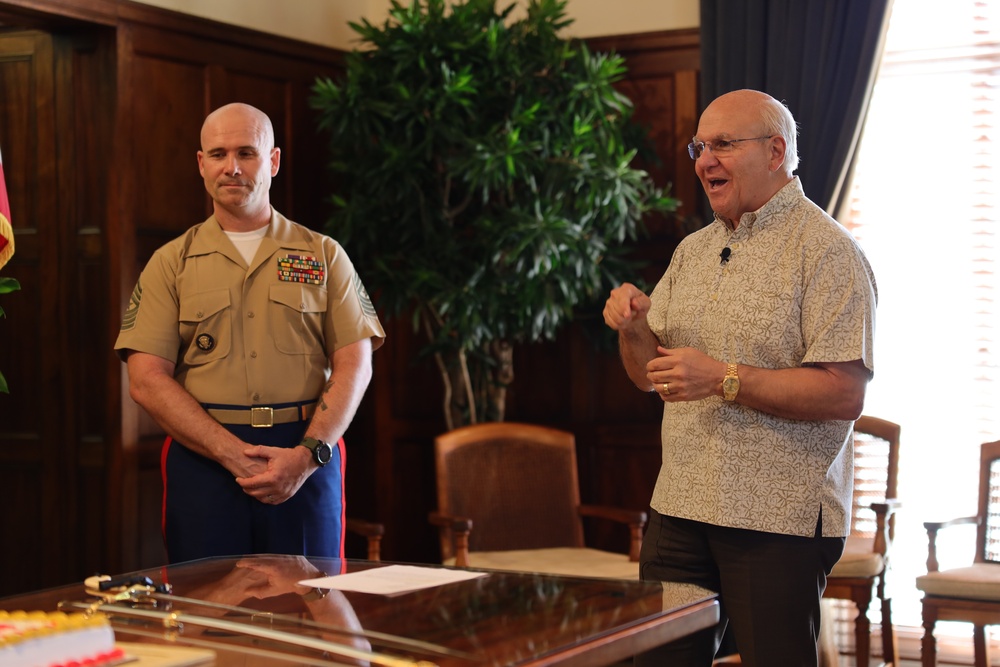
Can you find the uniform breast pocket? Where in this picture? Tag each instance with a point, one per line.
(206, 326)
(297, 315)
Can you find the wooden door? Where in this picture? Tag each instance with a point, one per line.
(30, 461)
(53, 445)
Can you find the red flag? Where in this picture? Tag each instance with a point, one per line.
(6, 231)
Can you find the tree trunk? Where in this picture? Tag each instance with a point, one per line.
(499, 376)
(459, 401)
(475, 386)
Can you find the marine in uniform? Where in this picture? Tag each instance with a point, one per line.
(249, 340)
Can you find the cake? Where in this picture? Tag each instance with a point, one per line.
(57, 639)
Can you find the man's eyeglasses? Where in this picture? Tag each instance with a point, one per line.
(718, 147)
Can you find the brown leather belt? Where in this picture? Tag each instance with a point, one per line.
(263, 416)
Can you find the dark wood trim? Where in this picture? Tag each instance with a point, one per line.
(655, 54)
(663, 40)
(208, 30)
(50, 13)
(125, 536)
(43, 12)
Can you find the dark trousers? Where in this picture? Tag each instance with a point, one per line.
(206, 513)
(769, 587)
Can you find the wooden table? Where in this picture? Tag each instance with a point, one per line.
(504, 618)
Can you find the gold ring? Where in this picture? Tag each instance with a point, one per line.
(666, 387)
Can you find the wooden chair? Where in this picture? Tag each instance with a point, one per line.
(860, 574)
(970, 594)
(372, 532)
(509, 499)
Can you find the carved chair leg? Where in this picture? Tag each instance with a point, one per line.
(890, 644)
(862, 639)
(928, 645)
(862, 631)
(981, 644)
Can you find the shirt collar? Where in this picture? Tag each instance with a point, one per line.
(782, 200)
(281, 233)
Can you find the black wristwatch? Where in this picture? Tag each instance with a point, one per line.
(322, 451)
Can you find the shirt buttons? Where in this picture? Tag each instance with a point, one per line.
(253, 355)
(256, 398)
(200, 314)
(250, 315)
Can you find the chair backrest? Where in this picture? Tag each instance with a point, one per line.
(876, 468)
(517, 482)
(988, 530)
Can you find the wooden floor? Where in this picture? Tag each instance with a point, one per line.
(848, 661)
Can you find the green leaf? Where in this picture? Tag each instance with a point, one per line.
(8, 285)
(484, 186)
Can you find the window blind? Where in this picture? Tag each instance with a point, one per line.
(925, 206)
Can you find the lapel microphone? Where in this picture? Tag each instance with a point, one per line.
(726, 252)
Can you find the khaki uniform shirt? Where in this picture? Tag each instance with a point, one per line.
(796, 290)
(256, 335)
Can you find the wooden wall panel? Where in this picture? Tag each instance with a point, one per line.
(84, 129)
(167, 112)
(389, 459)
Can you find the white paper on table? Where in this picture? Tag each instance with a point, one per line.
(392, 579)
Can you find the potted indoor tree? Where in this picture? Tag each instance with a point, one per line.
(486, 184)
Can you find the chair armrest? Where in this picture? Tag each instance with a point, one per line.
(457, 528)
(634, 519)
(370, 530)
(883, 512)
(888, 508)
(933, 527)
(938, 525)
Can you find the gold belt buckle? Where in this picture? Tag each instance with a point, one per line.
(261, 417)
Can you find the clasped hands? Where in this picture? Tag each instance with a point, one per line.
(676, 374)
(272, 475)
(684, 374)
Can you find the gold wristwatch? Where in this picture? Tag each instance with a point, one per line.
(316, 593)
(730, 383)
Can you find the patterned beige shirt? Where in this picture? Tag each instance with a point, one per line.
(796, 289)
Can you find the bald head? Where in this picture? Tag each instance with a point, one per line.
(772, 116)
(238, 115)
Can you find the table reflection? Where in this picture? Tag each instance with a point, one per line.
(254, 606)
(274, 579)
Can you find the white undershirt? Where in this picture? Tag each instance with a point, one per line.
(248, 242)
